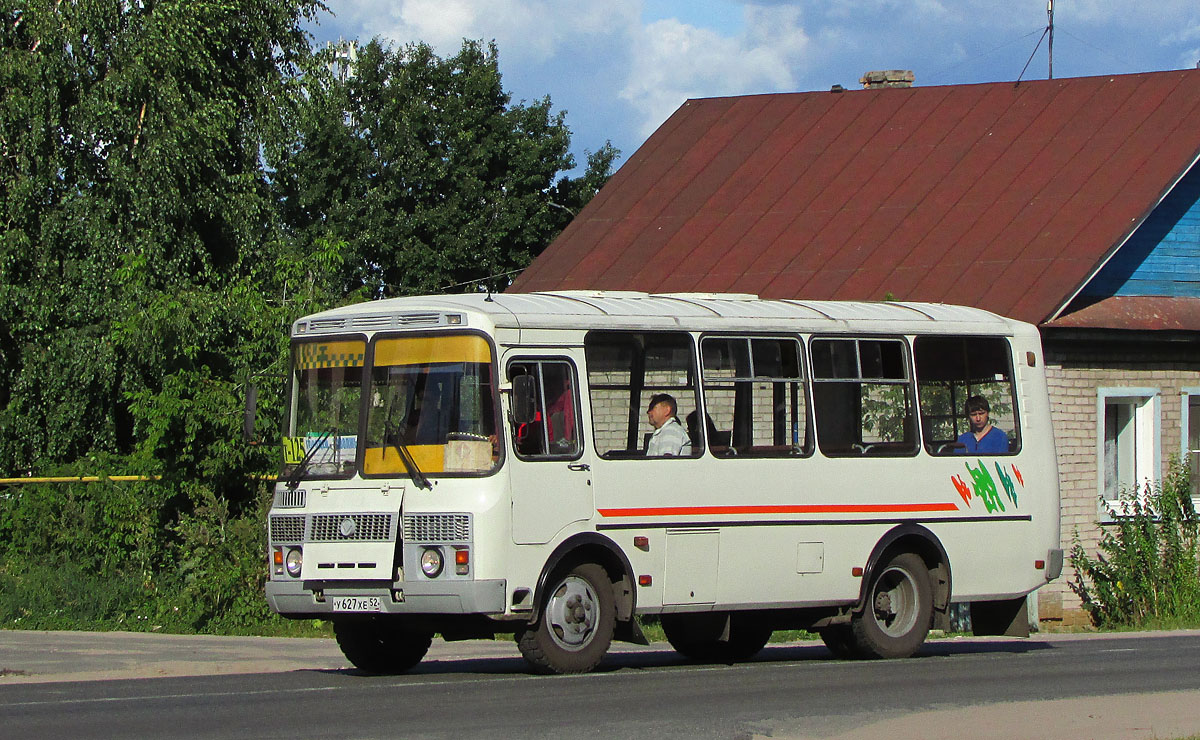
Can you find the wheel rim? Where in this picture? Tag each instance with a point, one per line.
(894, 602)
(572, 613)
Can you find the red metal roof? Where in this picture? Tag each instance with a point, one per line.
(1139, 313)
(1003, 196)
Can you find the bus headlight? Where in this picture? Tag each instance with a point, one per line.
(431, 562)
(293, 562)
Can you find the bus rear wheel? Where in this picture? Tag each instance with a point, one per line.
(576, 624)
(898, 612)
(377, 646)
(698, 636)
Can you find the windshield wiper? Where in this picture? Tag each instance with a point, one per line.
(410, 464)
(293, 480)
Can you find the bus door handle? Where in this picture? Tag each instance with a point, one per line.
(579, 466)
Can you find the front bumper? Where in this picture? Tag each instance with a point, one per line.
(298, 599)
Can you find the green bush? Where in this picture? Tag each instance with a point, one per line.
(221, 563)
(1145, 572)
(61, 593)
(104, 556)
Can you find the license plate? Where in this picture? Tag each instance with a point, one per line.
(357, 604)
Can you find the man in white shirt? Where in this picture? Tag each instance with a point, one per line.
(669, 438)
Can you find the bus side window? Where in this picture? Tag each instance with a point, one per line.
(951, 370)
(754, 397)
(862, 397)
(553, 431)
(625, 370)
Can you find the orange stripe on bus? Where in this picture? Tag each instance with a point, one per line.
(798, 509)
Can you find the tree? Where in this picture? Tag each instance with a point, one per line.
(428, 173)
(178, 182)
(132, 198)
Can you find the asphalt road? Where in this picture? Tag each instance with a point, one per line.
(1136, 686)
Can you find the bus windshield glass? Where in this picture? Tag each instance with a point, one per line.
(432, 405)
(321, 437)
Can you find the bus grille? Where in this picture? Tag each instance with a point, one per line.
(290, 498)
(437, 528)
(287, 529)
(343, 527)
(371, 322)
(419, 319)
(326, 324)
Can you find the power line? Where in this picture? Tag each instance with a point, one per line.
(1092, 46)
(977, 57)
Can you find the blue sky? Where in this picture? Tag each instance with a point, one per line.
(619, 68)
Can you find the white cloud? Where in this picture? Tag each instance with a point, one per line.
(673, 61)
(530, 31)
(1184, 35)
(1126, 14)
(621, 67)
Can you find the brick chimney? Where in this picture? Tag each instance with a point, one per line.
(887, 78)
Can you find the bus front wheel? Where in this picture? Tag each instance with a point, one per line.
(899, 608)
(576, 624)
(375, 646)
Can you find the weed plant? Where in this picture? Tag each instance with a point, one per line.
(1145, 572)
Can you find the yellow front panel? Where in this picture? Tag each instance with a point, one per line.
(385, 460)
(429, 350)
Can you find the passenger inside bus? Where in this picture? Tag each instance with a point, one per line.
(668, 438)
(982, 438)
(552, 431)
(717, 439)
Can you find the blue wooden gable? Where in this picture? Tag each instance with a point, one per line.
(1161, 258)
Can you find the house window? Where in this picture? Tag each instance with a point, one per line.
(1190, 424)
(1128, 434)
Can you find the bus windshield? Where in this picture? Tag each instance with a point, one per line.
(321, 436)
(432, 405)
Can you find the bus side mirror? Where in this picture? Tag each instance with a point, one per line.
(524, 403)
(251, 410)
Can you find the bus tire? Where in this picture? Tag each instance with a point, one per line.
(698, 636)
(375, 646)
(898, 609)
(576, 624)
(840, 641)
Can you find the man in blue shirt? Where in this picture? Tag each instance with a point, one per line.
(983, 439)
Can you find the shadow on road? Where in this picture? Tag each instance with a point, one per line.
(654, 658)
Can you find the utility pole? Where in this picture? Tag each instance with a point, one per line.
(1050, 13)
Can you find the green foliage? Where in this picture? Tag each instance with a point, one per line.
(1146, 570)
(222, 563)
(99, 557)
(63, 594)
(179, 181)
(425, 173)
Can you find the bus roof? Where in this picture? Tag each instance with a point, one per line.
(582, 309)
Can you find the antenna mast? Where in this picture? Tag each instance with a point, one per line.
(1050, 13)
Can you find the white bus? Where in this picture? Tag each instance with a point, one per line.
(473, 465)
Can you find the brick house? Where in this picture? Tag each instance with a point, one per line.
(1073, 204)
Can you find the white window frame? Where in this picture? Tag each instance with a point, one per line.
(1186, 453)
(1147, 440)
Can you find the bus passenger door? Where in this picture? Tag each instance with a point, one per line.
(549, 468)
